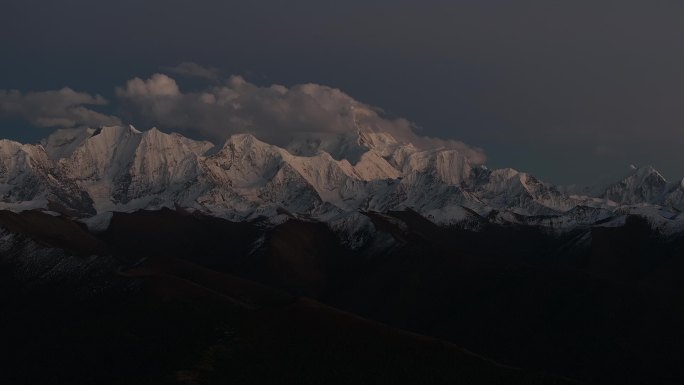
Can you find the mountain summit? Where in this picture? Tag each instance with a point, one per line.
(330, 177)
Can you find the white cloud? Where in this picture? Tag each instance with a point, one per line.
(59, 108)
(275, 113)
(157, 85)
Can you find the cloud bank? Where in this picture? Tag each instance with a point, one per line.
(60, 108)
(304, 118)
(276, 114)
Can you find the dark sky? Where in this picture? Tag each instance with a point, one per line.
(568, 90)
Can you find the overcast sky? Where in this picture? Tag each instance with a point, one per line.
(570, 91)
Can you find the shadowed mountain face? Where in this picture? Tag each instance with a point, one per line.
(171, 297)
(114, 319)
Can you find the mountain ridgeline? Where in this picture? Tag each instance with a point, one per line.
(91, 173)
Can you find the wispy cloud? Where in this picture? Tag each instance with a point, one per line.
(58, 108)
(192, 69)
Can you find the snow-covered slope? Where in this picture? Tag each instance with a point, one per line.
(644, 185)
(29, 179)
(24, 175)
(328, 177)
(121, 168)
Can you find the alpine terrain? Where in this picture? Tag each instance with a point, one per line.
(148, 257)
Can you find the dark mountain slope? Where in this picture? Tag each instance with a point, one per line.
(168, 321)
(499, 293)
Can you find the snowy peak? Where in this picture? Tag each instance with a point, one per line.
(644, 185)
(317, 175)
(116, 165)
(24, 175)
(109, 152)
(647, 171)
(372, 166)
(156, 140)
(162, 161)
(29, 179)
(105, 154)
(248, 163)
(520, 192)
(17, 159)
(244, 162)
(244, 142)
(382, 143)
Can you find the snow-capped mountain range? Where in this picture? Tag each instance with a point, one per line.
(90, 173)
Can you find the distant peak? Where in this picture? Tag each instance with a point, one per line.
(506, 172)
(245, 138)
(648, 170)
